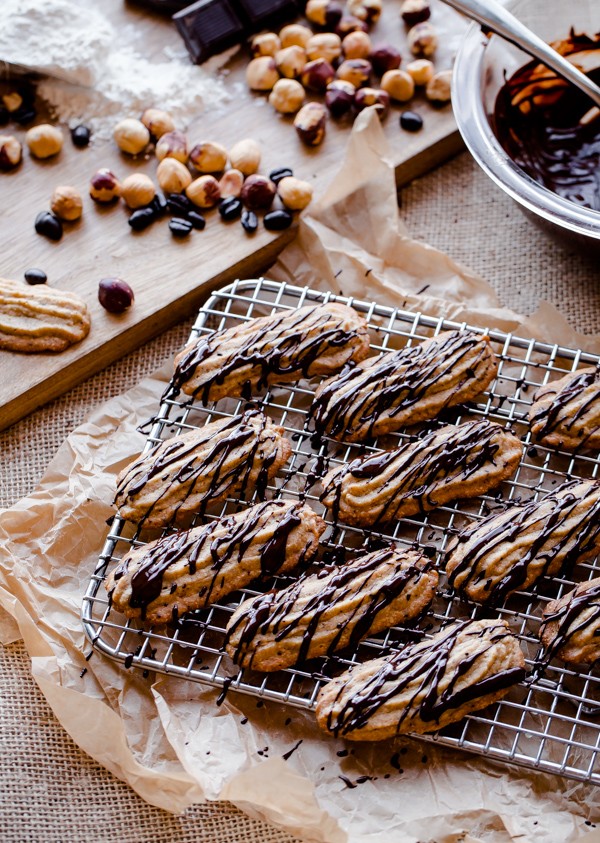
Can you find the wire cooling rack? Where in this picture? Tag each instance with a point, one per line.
(550, 723)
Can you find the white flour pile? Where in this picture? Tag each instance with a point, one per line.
(93, 74)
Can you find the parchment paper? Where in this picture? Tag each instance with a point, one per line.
(167, 737)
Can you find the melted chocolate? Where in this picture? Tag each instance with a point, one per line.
(553, 417)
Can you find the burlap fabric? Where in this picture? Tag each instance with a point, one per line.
(50, 791)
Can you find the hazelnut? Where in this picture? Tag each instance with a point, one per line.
(231, 184)
(157, 122)
(66, 203)
(356, 45)
(295, 34)
(290, 61)
(317, 75)
(137, 190)
(172, 145)
(422, 39)
(173, 176)
(131, 136)
(350, 23)
(367, 10)
(265, 44)
(438, 87)
(261, 73)
(208, 157)
(287, 96)
(324, 45)
(44, 140)
(258, 192)
(384, 57)
(324, 12)
(421, 70)
(398, 84)
(204, 192)
(104, 186)
(11, 152)
(294, 193)
(355, 71)
(415, 11)
(12, 101)
(245, 156)
(372, 96)
(339, 97)
(310, 123)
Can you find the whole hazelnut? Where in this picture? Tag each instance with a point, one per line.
(422, 39)
(415, 11)
(11, 152)
(204, 192)
(66, 203)
(131, 136)
(172, 145)
(372, 96)
(421, 70)
(294, 193)
(208, 157)
(438, 87)
(326, 13)
(137, 190)
(398, 84)
(245, 156)
(367, 10)
(317, 75)
(287, 96)
(258, 193)
(385, 57)
(324, 45)
(265, 44)
(290, 61)
(295, 34)
(261, 73)
(230, 183)
(104, 186)
(173, 176)
(12, 101)
(356, 45)
(350, 23)
(157, 122)
(339, 98)
(310, 123)
(355, 71)
(44, 140)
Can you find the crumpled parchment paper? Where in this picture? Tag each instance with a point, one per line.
(167, 737)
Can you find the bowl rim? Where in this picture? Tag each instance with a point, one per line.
(474, 126)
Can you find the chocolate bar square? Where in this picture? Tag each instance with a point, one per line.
(209, 27)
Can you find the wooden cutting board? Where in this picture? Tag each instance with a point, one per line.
(171, 277)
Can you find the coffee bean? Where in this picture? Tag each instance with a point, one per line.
(280, 173)
(24, 115)
(230, 208)
(411, 121)
(81, 135)
(178, 203)
(48, 225)
(35, 276)
(249, 222)
(196, 219)
(142, 218)
(159, 204)
(277, 220)
(115, 295)
(180, 227)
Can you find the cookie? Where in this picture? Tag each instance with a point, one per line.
(404, 387)
(332, 609)
(465, 667)
(184, 475)
(40, 318)
(511, 550)
(571, 625)
(312, 341)
(566, 413)
(456, 461)
(163, 579)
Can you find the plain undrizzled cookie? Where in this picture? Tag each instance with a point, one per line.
(404, 387)
(163, 579)
(332, 609)
(566, 413)
(465, 667)
(571, 625)
(229, 457)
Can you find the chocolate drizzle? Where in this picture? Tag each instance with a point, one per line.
(574, 616)
(569, 413)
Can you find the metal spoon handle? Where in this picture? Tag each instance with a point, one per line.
(493, 16)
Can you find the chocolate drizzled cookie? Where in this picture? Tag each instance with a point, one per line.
(456, 461)
(566, 413)
(335, 608)
(511, 550)
(404, 387)
(463, 668)
(312, 341)
(571, 626)
(163, 579)
(184, 475)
